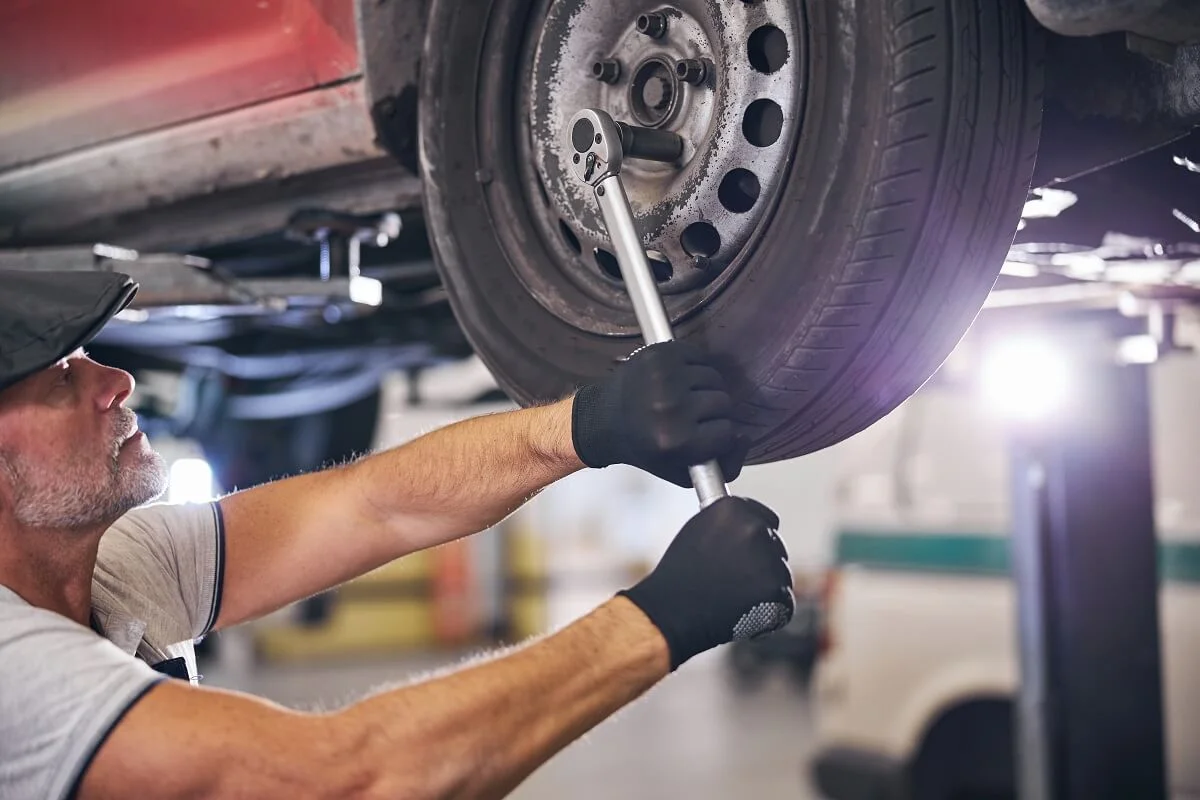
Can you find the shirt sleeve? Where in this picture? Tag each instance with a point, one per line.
(166, 565)
(62, 690)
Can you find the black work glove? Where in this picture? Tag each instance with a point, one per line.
(663, 410)
(724, 577)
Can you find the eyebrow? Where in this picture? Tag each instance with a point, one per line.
(58, 366)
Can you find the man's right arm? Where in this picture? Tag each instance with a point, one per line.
(473, 733)
(476, 732)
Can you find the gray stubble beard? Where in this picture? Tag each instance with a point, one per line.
(72, 500)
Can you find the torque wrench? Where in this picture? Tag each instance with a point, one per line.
(598, 145)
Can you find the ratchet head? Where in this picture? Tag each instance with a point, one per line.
(594, 142)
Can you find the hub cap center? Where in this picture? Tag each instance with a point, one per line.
(652, 92)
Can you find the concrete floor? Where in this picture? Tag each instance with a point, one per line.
(694, 736)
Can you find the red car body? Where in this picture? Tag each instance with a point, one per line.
(75, 74)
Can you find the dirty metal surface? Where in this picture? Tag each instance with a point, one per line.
(737, 124)
(277, 141)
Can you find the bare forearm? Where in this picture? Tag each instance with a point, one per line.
(289, 539)
(467, 476)
(473, 733)
(480, 731)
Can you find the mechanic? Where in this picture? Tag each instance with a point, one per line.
(103, 593)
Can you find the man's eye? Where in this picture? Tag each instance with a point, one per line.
(67, 376)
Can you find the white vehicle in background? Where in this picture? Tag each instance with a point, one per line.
(914, 686)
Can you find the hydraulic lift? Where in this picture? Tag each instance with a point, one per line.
(1089, 712)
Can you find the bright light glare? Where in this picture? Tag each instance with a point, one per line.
(1137, 350)
(1020, 269)
(1024, 379)
(133, 315)
(191, 481)
(366, 291)
(1048, 203)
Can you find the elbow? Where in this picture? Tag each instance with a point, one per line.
(366, 762)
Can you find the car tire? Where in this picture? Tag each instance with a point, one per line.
(968, 754)
(901, 196)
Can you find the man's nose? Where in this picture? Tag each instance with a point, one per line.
(116, 386)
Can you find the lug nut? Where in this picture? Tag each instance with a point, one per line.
(608, 70)
(653, 24)
(691, 70)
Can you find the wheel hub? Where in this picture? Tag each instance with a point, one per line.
(726, 76)
(653, 93)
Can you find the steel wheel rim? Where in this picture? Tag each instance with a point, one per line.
(728, 181)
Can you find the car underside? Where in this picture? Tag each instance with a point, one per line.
(315, 192)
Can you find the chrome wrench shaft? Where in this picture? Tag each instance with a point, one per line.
(598, 156)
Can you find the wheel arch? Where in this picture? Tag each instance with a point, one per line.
(946, 690)
(968, 748)
(391, 36)
(965, 706)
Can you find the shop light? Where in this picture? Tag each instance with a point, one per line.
(1142, 349)
(1025, 379)
(366, 291)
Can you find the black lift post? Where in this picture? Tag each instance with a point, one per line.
(1089, 712)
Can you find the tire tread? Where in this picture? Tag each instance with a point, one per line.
(898, 215)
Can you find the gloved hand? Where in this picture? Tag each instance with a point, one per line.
(724, 577)
(663, 410)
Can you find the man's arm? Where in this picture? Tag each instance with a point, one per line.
(475, 733)
(663, 409)
(292, 538)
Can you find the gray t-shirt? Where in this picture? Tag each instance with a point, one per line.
(155, 590)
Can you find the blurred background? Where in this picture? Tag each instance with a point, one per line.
(899, 541)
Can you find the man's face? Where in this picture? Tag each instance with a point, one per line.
(70, 453)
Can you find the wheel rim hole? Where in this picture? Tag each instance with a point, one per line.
(662, 269)
(700, 239)
(569, 237)
(542, 191)
(739, 190)
(659, 266)
(608, 263)
(762, 124)
(767, 49)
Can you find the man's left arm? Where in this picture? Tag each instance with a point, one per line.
(665, 408)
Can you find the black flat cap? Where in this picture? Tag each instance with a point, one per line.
(46, 316)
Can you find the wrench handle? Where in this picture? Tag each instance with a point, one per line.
(647, 305)
(635, 269)
(709, 482)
